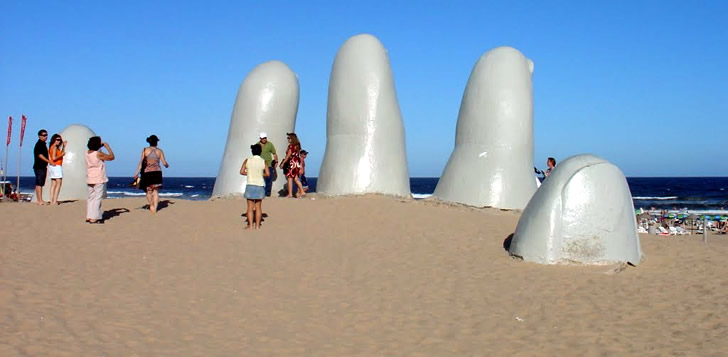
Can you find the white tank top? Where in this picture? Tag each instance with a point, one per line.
(256, 165)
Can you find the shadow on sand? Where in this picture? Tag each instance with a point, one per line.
(160, 206)
(507, 242)
(109, 214)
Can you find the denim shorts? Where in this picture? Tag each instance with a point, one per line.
(253, 192)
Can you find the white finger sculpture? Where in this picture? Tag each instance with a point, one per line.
(492, 163)
(583, 213)
(365, 141)
(73, 186)
(267, 102)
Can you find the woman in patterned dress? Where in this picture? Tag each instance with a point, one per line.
(292, 162)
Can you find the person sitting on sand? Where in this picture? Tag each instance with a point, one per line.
(256, 169)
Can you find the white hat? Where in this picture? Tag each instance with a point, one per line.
(262, 135)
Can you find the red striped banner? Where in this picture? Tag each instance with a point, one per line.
(22, 129)
(10, 129)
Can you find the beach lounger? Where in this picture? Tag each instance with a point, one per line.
(678, 231)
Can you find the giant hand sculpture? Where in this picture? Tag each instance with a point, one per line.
(583, 213)
(365, 142)
(74, 165)
(492, 163)
(267, 101)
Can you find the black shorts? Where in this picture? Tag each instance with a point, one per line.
(304, 182)
(151, 180)
(40, 176)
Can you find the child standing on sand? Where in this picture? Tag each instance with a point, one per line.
(304, 182)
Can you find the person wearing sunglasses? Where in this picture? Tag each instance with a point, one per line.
(40, 165)
(56, 152)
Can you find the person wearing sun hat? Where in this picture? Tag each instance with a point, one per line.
(268, 153)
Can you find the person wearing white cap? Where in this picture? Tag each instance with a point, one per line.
(269, 155)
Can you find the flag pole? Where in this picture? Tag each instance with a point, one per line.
(20, 146)
(5, 173)
(7, 144)
(17, 186)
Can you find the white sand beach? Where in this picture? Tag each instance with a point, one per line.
(361, 276)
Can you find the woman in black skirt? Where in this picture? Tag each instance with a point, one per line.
(151, 171)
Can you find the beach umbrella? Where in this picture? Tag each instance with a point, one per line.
(643, 217)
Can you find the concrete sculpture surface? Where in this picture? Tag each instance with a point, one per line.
(492, 162)
(74, 164)
(582, 213)
(267, 101)
(365, 141)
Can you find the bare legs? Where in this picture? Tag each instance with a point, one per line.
(300, 192)
(258, 213)
(255, 207)
(298, 184)
(249, 214)
(39, 195)
(149, 198)
(290, 186)
(55, 190)
(153, 199)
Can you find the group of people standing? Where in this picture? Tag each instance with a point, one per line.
(48, 160)
(260, 169)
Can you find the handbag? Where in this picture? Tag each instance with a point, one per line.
(136, 182)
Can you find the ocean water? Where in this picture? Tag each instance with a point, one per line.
(695, 194)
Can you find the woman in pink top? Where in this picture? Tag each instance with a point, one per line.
(96, 177)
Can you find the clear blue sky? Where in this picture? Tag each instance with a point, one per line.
(643, 84)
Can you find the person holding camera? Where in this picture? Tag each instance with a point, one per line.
(96, 177)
